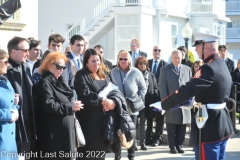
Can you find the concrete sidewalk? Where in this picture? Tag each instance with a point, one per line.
(162, 152)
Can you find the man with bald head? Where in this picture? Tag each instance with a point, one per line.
(155, 65)
(211, 87)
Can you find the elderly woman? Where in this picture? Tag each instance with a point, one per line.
(92, 78)
(8, 112)
(56, 134)
(151, 96)
(134, 84)
(196, 65)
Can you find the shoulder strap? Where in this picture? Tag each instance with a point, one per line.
(122, 84)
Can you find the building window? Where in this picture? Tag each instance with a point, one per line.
(229, 25)
(174, 35)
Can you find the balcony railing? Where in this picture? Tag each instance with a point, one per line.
(233, 6)
(201, 6)
(232, 32)
(148, 3)
(208, 6)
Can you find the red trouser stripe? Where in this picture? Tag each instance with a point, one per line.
(203, 152)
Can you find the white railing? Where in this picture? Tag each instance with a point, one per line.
(201, 6)
(88, 21)
(233, 6)
(148, 3)
(233, 33)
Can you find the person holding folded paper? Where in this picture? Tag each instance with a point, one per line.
(172, 77)
(211, 87)
(89, 81)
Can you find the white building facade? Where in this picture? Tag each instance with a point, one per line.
(23, 23)
(113, 23)
(233, 29)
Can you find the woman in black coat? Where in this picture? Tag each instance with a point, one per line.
(56, 133)
(151, 96)
(92, 78)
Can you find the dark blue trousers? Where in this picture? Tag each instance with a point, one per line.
(212, 151)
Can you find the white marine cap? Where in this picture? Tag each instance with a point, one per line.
(204, 37)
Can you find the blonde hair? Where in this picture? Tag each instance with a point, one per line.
(50, 59)
(137, 41)
(129, 58)
(3, 54)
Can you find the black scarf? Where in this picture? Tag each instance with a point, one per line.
(59, 84)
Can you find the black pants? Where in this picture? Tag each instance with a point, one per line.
(176, 135)
(158, 135)
(131, 150)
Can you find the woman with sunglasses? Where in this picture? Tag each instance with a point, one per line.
(134, 84)
(8, 112)
(56, 133)
(91, 79)
(151, 96)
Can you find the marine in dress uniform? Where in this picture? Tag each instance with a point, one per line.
(211, 86)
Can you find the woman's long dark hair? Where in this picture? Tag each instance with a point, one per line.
(102, 69)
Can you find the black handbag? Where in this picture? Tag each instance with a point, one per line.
(134, 103)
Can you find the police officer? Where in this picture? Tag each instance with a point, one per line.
(211, 86)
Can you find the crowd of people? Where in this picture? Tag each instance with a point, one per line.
(43, 92)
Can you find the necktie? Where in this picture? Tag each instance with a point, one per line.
(81, 58)
(177, 69)
(155, 67)
(78, 63)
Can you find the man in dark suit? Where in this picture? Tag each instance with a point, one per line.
(135, 52)
(107, 63)
(172, 77)
(77, 44)
(19, 75)
(222, 49)
(155, 64)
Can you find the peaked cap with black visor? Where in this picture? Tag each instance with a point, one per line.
(204, 38)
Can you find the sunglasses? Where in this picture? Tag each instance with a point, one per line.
(142, 63)
(132, 45)
(125, 59)
(155, 50)
(24, 50)
(59, 67)
(6, 62)
(101, 51)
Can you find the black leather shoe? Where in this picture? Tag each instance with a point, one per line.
(155, 144)
(143, 147)
(180, 150)
(173, 151)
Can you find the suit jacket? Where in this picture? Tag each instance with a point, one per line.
(169, 82)
(230, 65)
(160, 65)
(141, 53)
(236, 76)
(108, 64)
(15, 79)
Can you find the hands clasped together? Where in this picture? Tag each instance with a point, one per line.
(108, 104)
(77, 105)
(14, 112)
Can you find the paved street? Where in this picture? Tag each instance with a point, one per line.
(162, 152)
